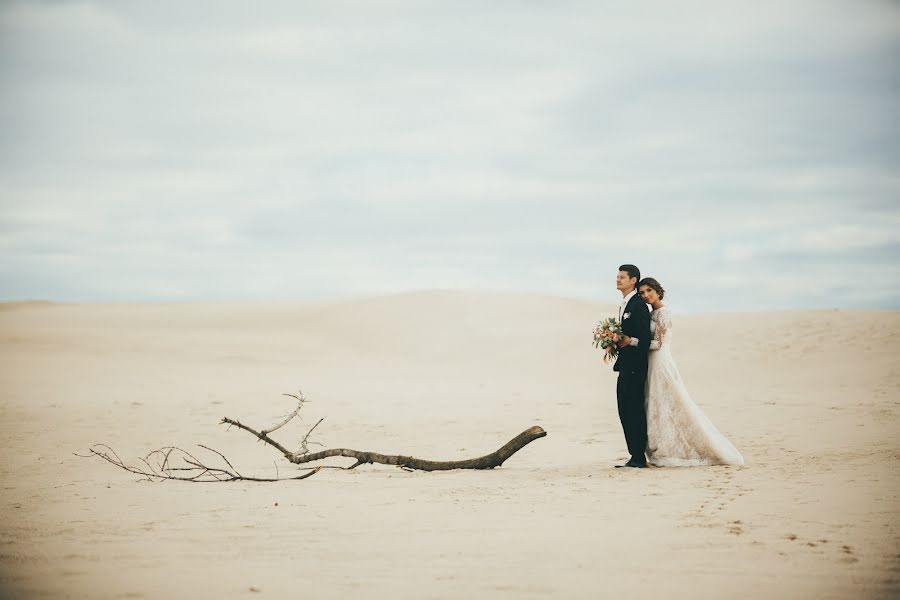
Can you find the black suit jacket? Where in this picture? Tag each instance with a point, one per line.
(633, 359)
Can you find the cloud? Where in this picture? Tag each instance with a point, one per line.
(214, 151)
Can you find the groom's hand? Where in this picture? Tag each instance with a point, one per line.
(625, 341)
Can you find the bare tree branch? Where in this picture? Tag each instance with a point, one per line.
(488, 461)
(174, 463)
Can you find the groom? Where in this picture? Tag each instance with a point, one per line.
(632, 365)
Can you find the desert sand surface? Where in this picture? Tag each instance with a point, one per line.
(442, 375)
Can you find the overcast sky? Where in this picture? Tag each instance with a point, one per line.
(746, 154)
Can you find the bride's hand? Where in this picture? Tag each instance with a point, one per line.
(625, 341)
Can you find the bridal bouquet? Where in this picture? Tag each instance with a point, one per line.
(607, 335)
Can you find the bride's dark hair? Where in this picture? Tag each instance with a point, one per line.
(653, 285)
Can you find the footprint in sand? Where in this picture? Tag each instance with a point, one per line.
(848, 557)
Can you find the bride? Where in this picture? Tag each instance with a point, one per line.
(678, 433)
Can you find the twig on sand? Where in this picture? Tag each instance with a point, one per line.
(174, 463)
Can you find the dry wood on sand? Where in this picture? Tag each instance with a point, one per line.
(174, 463)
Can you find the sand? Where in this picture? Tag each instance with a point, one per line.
(442, 375)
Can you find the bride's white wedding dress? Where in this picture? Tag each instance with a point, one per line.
(678, 433)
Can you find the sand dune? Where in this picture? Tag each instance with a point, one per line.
(443, 375)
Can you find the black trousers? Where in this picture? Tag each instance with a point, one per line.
(630, 394)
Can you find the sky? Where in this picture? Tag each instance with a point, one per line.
(745, 154)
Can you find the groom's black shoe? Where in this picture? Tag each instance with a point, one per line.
(634, 462)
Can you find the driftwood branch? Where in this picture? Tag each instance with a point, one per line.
(488, 461)
(173, 463)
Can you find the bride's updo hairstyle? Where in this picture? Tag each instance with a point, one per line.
(653, 285)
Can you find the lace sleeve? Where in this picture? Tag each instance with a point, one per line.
(663, 324)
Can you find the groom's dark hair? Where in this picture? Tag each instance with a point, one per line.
(632, 271)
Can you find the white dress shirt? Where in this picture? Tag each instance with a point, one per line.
(634, 341)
